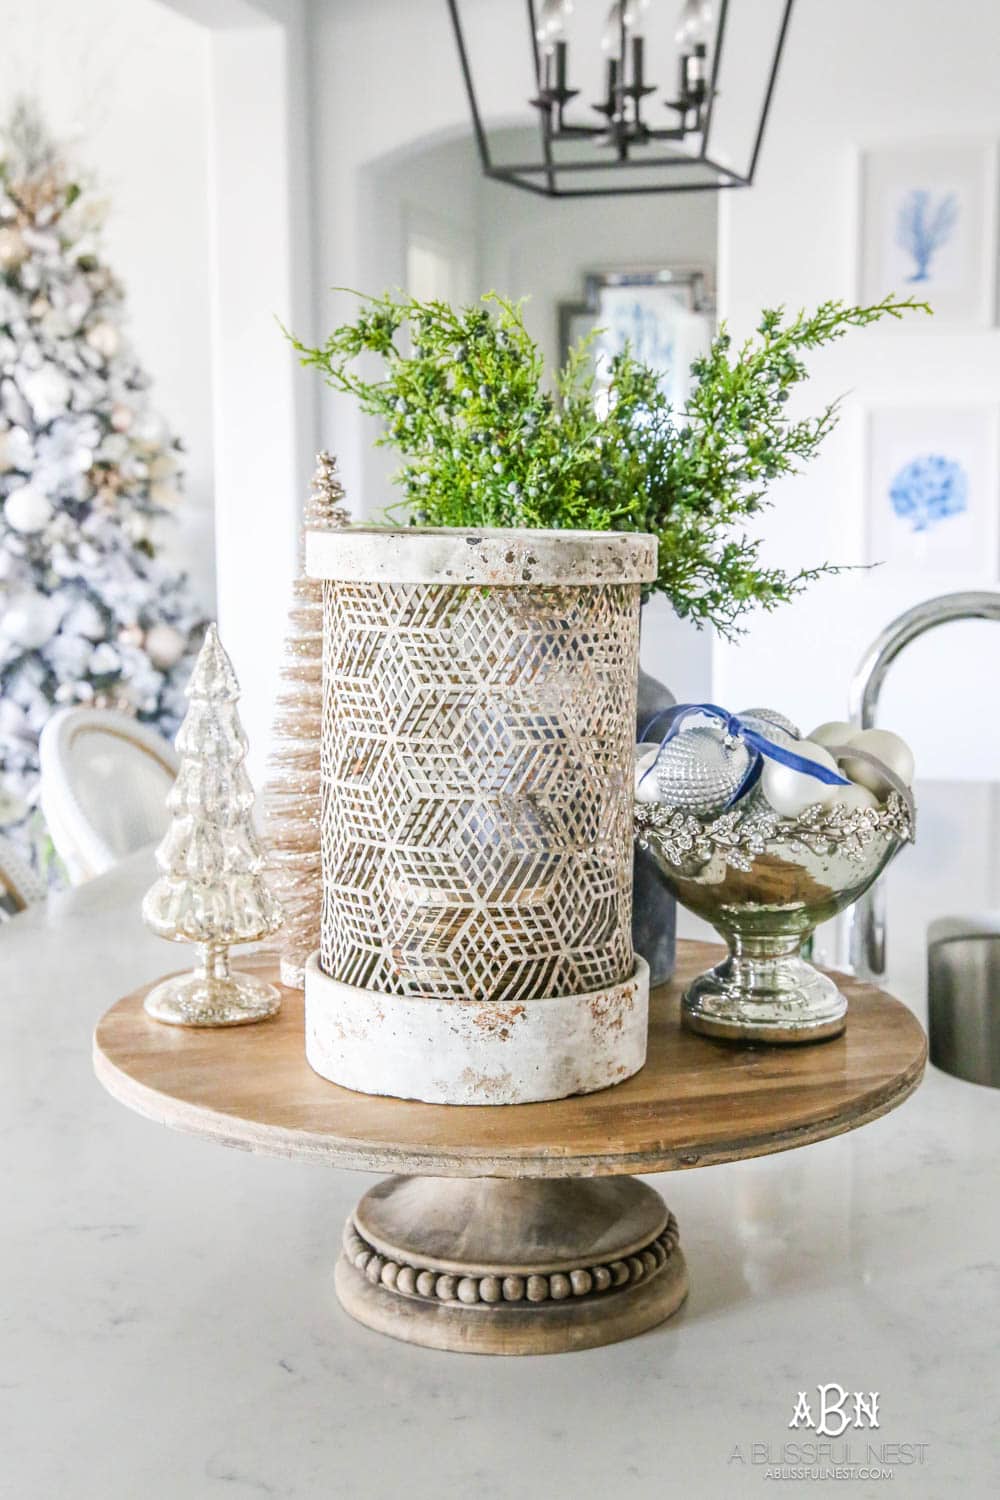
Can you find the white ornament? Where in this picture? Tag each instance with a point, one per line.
(833, 732)
(164, 646)
(790, 792)
(699, 772)
(890, 750)
(104, 339)
(646, 789)
(31, 619)
(26, 510)
(17, 451)
(854, 797)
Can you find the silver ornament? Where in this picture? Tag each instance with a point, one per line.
(700, 770)
(765, 719)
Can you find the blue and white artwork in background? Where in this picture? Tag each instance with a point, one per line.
(925, 223)
(928, 490)
(645, 331)
(659, 329)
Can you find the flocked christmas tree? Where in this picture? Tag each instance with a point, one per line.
(88, 615)
(292, 794)
(211, 890)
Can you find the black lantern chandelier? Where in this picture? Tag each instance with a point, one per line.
(636, 135)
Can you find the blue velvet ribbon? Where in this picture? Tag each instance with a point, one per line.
(758, 744)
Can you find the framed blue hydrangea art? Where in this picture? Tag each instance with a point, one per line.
(933, 489)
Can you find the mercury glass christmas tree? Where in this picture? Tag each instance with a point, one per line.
(88, 615)
(210, 890)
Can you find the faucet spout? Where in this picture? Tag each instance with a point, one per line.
(867, 935)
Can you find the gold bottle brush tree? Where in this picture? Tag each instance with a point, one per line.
(291, 799)
(211, 890)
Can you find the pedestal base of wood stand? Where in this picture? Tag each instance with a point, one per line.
(517, 1229)
(491, 1266)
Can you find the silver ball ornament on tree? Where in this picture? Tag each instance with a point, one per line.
(700, 770)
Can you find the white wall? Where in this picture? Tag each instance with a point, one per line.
(857, 74)
(127, 82)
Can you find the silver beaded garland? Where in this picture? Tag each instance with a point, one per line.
(700, 770)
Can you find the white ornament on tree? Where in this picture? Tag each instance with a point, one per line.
(31, 619)
(26, 510)
(104, 339)
(164, 646)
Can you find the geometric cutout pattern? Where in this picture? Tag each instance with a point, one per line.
(477, 788)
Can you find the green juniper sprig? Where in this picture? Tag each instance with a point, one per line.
(463, 400)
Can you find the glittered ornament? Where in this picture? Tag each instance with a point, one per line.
(765, 719)
(700, 771)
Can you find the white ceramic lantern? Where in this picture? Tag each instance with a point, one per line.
(479, 712)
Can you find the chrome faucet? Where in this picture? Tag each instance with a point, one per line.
(867, 935)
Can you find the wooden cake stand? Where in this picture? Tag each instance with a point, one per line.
(516, 1229)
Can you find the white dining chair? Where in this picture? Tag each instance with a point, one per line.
(20, 887)
(104, 781)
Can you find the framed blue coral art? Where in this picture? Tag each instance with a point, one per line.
(933, 490)
(927, 227)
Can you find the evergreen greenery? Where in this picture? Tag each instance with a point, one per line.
(462, 396)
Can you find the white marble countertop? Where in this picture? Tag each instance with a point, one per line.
(170, 1329)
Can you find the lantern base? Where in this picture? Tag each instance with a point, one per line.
(445, 1051)
(511, 1267)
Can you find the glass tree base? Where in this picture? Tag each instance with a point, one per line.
(765, 999)
(200, 999)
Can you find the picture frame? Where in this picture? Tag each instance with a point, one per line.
(927, 227)
(663, 314)
(932, 494)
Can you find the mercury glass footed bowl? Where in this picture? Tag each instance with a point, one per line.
(765, 882)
